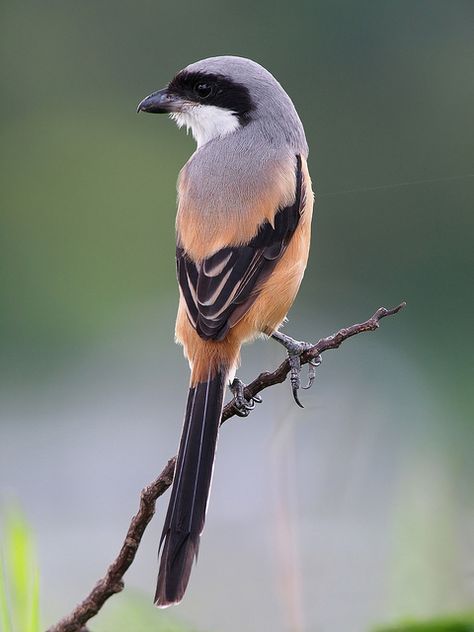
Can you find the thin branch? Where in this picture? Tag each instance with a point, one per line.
(112, 582)
(265, 380)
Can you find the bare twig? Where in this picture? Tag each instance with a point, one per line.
(264, 380)
(112, 582)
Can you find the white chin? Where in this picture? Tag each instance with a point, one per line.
(207, 122)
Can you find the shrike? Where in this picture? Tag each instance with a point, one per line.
(243, 231)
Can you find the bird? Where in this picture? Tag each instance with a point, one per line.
(243, 229)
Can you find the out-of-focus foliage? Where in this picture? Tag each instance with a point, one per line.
(132, 611)
(449, 624)
(87, 186)
(19, 576)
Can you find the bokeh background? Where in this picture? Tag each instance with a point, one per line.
(355, 511)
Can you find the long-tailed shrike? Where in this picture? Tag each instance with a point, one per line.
(243, 231)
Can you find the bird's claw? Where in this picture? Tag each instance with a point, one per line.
(242, 405)
(313, 364)
(295, 350)
(295, 370)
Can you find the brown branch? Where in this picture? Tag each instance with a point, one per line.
(265, 380)
(112, 582)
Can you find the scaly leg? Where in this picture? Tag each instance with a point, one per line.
(295, 349)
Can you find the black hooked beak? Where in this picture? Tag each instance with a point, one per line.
(160, 102)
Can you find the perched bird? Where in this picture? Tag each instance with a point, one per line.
(243, 232)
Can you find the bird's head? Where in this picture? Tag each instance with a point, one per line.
(218, 96)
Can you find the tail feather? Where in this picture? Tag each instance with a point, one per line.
(186, 514)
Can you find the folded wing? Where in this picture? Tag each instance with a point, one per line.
(221, 289)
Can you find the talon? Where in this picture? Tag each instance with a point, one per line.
(295, 370)
(240, 412)
(313, 365)
(295, 397)
(242, 406)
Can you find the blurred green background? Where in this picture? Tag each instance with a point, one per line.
(373, 481)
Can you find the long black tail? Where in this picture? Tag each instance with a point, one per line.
(192, 479)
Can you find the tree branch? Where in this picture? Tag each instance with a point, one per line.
(112, 582)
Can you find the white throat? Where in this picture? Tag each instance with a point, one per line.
(206, 122)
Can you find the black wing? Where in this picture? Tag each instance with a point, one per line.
(221, 289)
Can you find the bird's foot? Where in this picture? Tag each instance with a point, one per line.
(242, 405)
(295, 348)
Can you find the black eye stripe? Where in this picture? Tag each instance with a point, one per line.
(213, 89)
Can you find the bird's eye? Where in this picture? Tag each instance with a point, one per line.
(203, 90)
